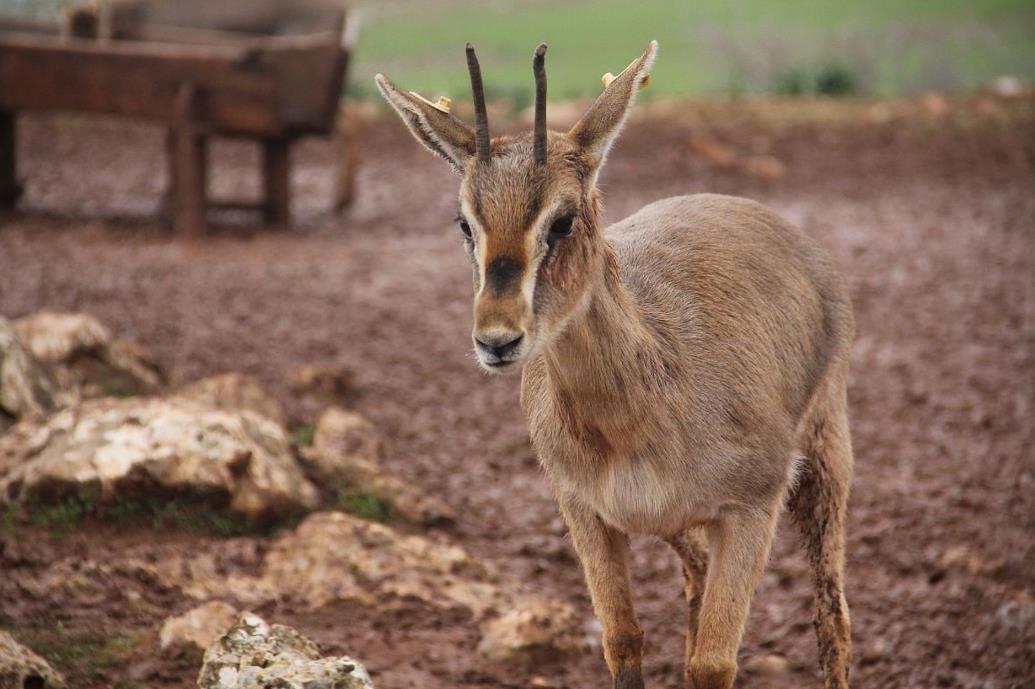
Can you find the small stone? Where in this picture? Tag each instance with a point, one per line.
(712, 150)
(346, 453)
(769, 665)
(197, 629)
(534, 627)
(20, 667)
(764, 167)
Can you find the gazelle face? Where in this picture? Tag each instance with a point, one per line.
(528, 231)
(527, 208)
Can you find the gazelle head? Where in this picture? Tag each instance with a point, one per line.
(528, 206)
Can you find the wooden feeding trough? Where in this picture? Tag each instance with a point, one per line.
(267, 70)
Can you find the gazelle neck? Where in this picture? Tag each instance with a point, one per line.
(599, 362)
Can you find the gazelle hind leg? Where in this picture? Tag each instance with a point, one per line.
(818, 505)
(693, 553)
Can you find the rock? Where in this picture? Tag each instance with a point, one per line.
(769, 664)
(26, 389)
(333, 556)
(348, 437)
(764, 167)
(256, 655)
(712, 150)
(324, 383)
(345, 455)
(197, 629)
(21, 668)
(84, 359)
(234, 392)
(534, 628)
(1008, 86)
(111, 447)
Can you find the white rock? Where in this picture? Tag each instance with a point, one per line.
(26, 389)
(346, 454)
(197, 628)
(535, 626)
(170, 444)
(255, 655)
(83, 357)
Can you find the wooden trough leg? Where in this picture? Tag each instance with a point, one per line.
(348, 146)
(188, 149)
(10, 190)
(276, 180)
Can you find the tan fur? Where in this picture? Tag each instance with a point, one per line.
(674, 369)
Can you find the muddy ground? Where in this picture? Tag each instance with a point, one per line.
(929, 207)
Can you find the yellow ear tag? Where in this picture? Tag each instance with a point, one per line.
(608, 78)
(442, 105)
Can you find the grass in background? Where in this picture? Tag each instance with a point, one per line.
(885, 47)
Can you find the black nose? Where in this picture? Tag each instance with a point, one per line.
(499, 347)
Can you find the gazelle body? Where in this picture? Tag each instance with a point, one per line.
(683, 372)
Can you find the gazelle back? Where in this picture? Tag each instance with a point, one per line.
(683, 372)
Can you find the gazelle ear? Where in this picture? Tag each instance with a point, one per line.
(600, 126)
(431, 123)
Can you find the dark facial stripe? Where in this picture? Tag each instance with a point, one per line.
(503, 274)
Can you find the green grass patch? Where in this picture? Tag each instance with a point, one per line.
(710, 46)
(363, 505)
(81, 656)
(62, 515)
(303, 435)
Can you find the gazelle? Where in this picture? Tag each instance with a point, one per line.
(683, 371)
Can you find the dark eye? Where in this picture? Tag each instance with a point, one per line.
(464, 227)
(561, 228)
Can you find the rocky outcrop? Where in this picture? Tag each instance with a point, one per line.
(255, 654)
(534, 628)
(143, 446)
(26, 390)
(84, 359)
(197, 629)
(346, 455)
(20, 668)
(234, 392)
(333, 556)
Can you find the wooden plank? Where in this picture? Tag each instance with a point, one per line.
(10, 190)
(276, 180)
(138, 80)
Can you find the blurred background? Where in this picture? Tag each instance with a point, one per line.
(712, 47)
(235, 357)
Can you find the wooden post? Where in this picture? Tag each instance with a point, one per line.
(276, 180)
(347, 138)
(187, 166)
(10, 190)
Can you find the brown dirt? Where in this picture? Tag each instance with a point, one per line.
(931, 215)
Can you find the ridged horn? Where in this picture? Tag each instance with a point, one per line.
(481, 117)
(539, 129)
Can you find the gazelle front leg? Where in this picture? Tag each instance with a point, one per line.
(603, 551)
(739, 542)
